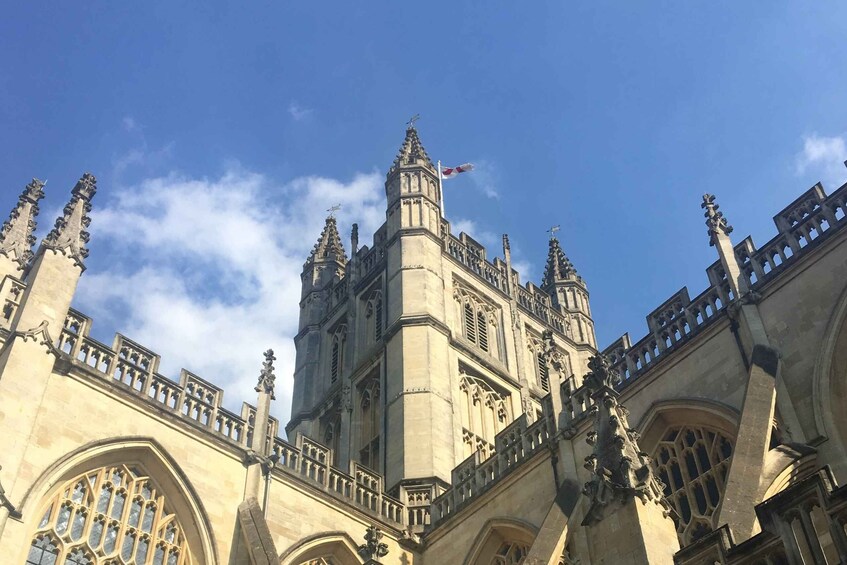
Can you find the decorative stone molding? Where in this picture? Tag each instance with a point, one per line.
(16, 235)
(715, 222)
(620, 470)
(40, 335)
(267, 377)
(69, 235)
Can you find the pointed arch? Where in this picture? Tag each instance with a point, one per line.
(502, 541)
(334, 548)
(143, 453)
(829, 386)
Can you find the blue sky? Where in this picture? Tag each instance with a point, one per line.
(220, 132)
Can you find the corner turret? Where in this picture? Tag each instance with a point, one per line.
(16, 236)
(412, 189)
(567, 290)
(327, 260)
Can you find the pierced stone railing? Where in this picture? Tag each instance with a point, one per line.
(804, 524)
(134, 368)
(517, 443)
(311, 461)
(809, 219)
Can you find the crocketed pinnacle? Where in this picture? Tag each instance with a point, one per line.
(558, 267)
(16, 236)
(715, 222)
(267, 378)
(69, 235)
(619, 469)
(329, 246)
(412, 151)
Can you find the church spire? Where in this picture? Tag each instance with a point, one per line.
(16, 236)
(412, 152)
(559, 267)
(69, 235)
(329, 246)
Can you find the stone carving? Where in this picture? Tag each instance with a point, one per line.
(347, 398)
(16, 236)
(619, 469)
(354, 240)
(714, 218)
(69, 235)
(373, 547)
(40, 335)
(553, 355)
(267, 378)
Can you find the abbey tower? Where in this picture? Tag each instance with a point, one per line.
(444, 410)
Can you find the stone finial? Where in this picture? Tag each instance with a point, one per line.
(373, 548)
(267, 376)
(715, 222)
(412, 151)
(506, 245)
(16, 235)
(558, 267)
(329, 246)
(354, 239)
(619, 469)
(69, 236)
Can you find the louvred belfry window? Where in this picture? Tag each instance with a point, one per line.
(113, 514)
(336, 356)
(373, 315)
(478, 322)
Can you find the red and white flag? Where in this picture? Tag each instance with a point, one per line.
(450, 172)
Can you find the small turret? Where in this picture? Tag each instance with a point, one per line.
(568, 291)
(16, 236)
(411, 188)
(327, 260)
(561, 281)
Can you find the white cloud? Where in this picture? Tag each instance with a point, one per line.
(484, 177)
(298, 112)
(207, 272)
(129, 124)
(824, 158)
(488, 239)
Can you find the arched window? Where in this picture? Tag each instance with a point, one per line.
(485, 413)
(336, 361)
(369, 424)
(479, 322)
(692, 462)
(510, 553)
(114, 511)
(373, 315)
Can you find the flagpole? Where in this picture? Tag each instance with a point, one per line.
(441, 189)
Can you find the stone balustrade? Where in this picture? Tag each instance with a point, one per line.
(514, 445)
(804, 524)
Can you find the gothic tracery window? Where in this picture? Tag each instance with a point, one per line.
(111, 513)
(485, 412)
(478, 321)
(336, 360)
(369, 424)
(510, 553)
(373, 315)
(692, 462)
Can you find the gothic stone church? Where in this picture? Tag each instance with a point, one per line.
(444, 412)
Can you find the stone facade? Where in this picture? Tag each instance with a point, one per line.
(443, 411)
